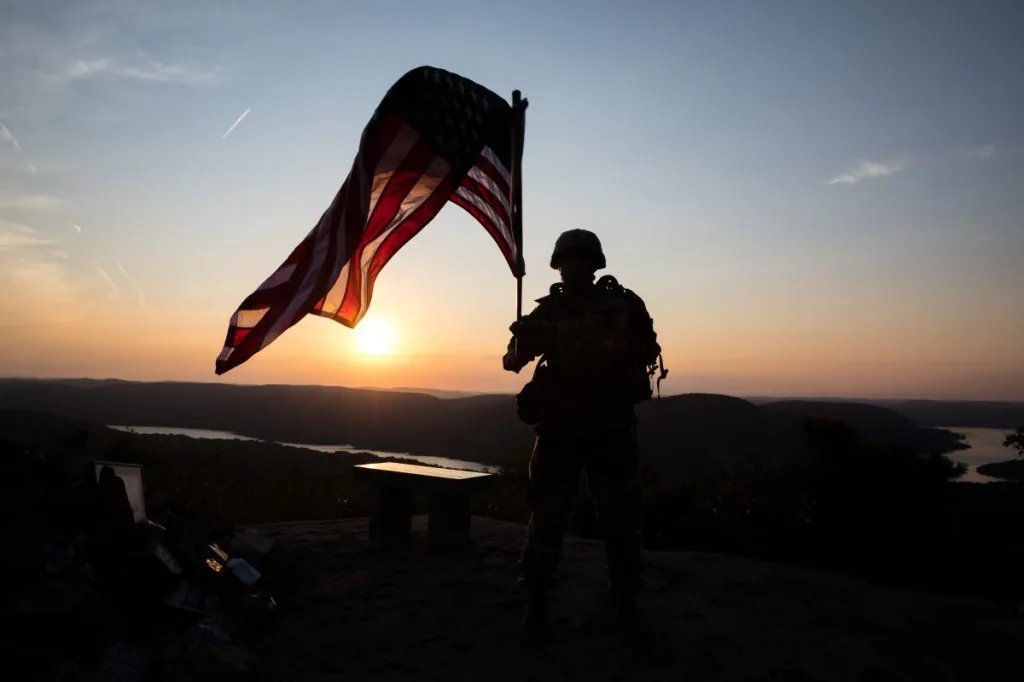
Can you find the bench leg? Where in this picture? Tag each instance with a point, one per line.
(392, 514)
(449, 520)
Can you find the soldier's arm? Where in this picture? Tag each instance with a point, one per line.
(530, 337)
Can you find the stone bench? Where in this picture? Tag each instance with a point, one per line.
(449, 491)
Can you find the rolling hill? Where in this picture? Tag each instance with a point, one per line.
(678, 434)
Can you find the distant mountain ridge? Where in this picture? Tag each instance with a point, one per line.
(678, 434)
(873, 423)
(436, 392)
(992, 414)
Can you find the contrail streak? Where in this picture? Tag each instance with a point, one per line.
(235, 124)
(109, 282)
(6, 134)
(140, 297)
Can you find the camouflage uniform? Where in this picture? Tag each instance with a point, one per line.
(596, 345)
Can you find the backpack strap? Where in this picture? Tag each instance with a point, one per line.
(660, 370)
(611, 284)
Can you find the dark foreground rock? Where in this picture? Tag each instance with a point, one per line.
(364, 612)
(95, 589)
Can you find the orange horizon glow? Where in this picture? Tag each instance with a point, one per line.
(445, 356)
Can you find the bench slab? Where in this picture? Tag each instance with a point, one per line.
(449, 491)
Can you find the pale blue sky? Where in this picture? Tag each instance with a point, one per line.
(814, 198)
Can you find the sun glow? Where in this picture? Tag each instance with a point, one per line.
(375, 337)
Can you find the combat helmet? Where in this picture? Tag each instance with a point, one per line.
(578, 243)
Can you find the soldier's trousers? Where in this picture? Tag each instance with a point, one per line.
(611, 461)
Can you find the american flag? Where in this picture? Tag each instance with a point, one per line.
(436, 137)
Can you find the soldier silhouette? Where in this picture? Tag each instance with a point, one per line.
(597, 350)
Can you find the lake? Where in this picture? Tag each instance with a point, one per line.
(986, 448)
(212, 434)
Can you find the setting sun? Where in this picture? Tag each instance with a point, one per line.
(375, 337)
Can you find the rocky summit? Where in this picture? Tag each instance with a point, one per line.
(365, 611)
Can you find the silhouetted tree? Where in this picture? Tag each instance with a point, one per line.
(1015, 440)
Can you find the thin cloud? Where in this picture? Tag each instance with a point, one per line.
(17, 236)
(83, 68)
(147, 70)
(30, 201)
(869, 170)
(46, 290)
(32, 267)
(235, 124)
(114, 291)
(985, 151)
(139, 295)
(6, 134)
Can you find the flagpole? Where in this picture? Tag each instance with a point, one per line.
(518, 132)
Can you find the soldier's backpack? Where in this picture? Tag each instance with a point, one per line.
(650, 366)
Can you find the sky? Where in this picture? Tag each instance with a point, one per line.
(816, 199)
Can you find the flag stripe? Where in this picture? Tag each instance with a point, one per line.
(238, 349)
(405, 231)
(396, 153)
(499, 177)
(280, 276)
(500, 223)
(421, 192)
(388, 207)
(285, 299)
(348, 224)
(395, 140)
(496, 163)
(487, 183)
(293, 310)
(488, 203)
(507, 249)
(328, 237)
(486, 195)
(249, 318)
(397, 186)
(405, 192)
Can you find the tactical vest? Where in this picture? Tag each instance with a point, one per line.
(598, 356)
